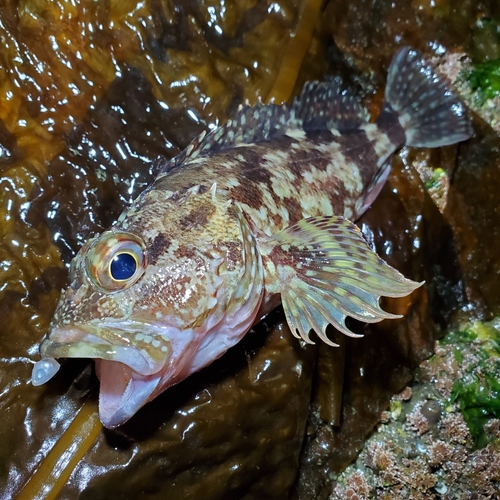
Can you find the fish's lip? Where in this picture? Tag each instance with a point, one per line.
(82, 342)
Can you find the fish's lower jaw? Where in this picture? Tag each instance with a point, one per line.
(122, 392)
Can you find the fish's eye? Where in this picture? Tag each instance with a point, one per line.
(123, 266)
(116, 260)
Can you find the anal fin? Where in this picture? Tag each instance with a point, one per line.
(373, 190)
(325, 271)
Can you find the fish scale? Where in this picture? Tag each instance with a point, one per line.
(257, 212)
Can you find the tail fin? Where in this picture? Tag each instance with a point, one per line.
(430, 114)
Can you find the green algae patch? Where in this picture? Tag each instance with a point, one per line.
(435, 181)
(484, 78)
(477, 391)
(479, 401)
(459, 337)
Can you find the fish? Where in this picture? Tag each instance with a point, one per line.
(258, 212)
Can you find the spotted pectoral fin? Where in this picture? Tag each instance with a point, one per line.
(325, 271)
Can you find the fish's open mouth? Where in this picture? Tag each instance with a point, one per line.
(122, 392)
(129, 374)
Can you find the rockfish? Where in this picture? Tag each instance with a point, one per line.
(256, 213)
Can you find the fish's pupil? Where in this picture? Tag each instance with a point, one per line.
(123, 266)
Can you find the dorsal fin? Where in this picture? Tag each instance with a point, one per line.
(325, 105)
(321, 106)
(250, 124)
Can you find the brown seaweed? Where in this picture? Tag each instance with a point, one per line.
(90, 114)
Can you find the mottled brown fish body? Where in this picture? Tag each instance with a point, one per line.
(256, 212)
(298, 176)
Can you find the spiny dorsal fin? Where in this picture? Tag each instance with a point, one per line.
(251, 124)
(321, 106)
(325, 105)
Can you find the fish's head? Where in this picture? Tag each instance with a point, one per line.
(163, 293)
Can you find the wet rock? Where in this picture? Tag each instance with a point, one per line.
(371, 32)
(432, 411)
(446, 446)
(473, 212)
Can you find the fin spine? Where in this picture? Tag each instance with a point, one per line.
(321, 106)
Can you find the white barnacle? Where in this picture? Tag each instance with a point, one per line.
(44, 370)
